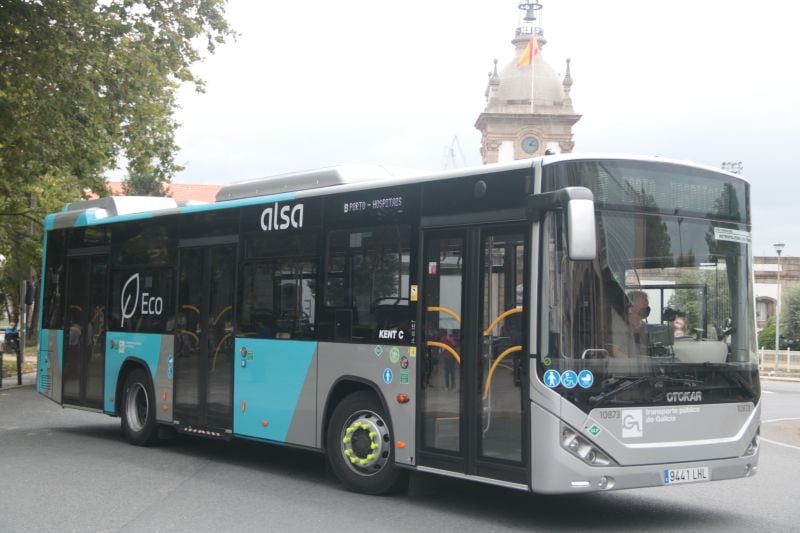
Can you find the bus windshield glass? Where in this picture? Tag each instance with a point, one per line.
(664, 314)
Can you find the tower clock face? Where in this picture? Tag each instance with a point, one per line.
(530, 144)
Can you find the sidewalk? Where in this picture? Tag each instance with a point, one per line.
(781, 376)
(11, 383)
(28, 378)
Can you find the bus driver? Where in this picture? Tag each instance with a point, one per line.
(633, 339)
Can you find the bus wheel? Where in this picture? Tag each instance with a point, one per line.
(139, 409)
(359, 444)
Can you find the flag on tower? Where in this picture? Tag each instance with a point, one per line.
(531, 51)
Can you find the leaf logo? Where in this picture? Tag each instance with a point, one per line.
(128, 300)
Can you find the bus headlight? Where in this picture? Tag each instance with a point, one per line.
(581, 448)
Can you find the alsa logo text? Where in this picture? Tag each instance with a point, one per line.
(278, 217)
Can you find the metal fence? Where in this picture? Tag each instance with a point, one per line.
(787, 361)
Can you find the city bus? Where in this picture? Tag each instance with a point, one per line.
(561, 324)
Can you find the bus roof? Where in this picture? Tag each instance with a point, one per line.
(308, 183)
(590, 156)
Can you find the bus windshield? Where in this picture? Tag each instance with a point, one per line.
(666, 307)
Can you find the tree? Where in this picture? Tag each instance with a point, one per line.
(790, 317)
(82, 84)
(790, 322)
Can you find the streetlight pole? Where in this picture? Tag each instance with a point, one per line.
(778, 248)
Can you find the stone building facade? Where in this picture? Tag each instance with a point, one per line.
(765, 270)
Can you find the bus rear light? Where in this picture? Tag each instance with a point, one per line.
(582, 448)
(403, 398)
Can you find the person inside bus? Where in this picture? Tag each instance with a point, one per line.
(449, 361)
(632, 339)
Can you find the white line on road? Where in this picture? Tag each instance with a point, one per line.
(781, 444)
(778, 420)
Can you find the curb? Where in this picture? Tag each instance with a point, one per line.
(780, 378)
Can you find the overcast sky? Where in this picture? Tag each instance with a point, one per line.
(318, 83)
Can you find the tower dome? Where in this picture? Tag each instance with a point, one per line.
(513, 92)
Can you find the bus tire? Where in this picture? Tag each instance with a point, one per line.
(360, 447)
(139, 409)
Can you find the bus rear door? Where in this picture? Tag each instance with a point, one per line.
(85, 329)
(204, 339)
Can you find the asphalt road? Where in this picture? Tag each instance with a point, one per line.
(68, 470)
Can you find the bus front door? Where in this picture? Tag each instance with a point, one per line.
(473, 384)
(85, 330)
(204, 339)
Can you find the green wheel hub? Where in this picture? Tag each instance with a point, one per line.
(365, 443)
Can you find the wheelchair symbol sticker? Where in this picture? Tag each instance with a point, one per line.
(569, 379)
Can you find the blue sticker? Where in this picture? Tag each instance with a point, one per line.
(569, 379)
(552, 379)
(585, 378)
(244, 363)
(388, 376)
(170, 360)
(170, 372)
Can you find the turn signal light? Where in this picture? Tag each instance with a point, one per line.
(403, 398)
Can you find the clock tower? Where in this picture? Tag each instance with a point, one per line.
(528, 106)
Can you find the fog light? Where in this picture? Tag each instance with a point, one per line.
(606, 482)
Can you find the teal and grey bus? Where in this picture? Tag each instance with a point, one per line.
(559, 324)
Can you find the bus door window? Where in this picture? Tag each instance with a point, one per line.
(502, 360)
(442, 367)
(220, 340)
(188, 332)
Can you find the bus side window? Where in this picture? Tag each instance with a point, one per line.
(278, 299)
(366, 285)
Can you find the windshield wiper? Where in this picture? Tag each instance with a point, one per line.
(732, 377)
(657, 380)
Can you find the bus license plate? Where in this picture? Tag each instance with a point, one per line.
(695, 474)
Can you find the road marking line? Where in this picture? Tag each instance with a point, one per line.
(778, 420)
(768, 392)
(781, 444)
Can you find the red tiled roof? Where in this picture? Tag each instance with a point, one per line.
(178, 191)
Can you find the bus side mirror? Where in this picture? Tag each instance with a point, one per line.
(578, 206)
(581, 229)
